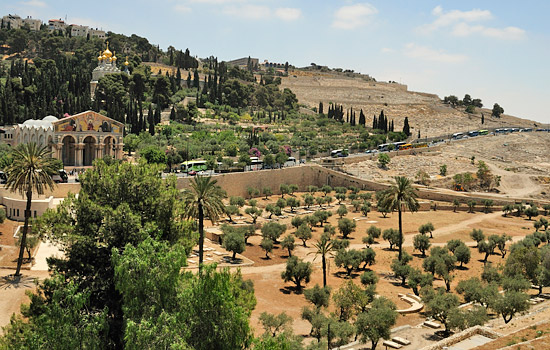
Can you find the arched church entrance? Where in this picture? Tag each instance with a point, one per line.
(89, 151)
(109, 146)
(68, 151)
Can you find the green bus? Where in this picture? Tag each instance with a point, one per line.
(193, 165)
(483, 132)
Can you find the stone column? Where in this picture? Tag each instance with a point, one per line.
(98, 151)
(79, 156)
(58, 151)
(120, 151)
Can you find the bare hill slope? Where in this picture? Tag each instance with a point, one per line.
(425, 111)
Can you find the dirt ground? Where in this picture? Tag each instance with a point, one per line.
(520, 159)
(275, 296)
(8, 250)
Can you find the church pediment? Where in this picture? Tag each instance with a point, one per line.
(88, 121)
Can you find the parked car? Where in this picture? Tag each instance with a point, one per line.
(61, 177)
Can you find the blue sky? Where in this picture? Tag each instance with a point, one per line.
(498, 51)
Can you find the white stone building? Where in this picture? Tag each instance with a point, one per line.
(11, 21)
(56, 24)
(34, 24)
(78, 30)
(96, 33)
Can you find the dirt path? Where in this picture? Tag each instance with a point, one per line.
(515, 185)
(465, 224)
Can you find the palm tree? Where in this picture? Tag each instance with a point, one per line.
(203, 199)
(323, 247)
(31, 170)
(402, 195)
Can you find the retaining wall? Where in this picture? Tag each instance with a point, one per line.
(236, 184)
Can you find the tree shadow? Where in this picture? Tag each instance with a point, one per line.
(419, 255)
(289, 290)
(265, 258)
(12, 282)
(344, 274)
(462, 268)
(230, 260)
(389, 250)
(434, 337)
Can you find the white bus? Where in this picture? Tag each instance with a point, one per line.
(193, 165)
(339, 153)
(256, 163)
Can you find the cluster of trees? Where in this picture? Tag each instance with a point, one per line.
(46, 87)
(467, 102)
(483, 179)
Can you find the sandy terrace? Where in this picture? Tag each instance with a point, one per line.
(521, 159)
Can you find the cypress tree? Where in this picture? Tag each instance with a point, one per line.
(362, 120)
(374, 122)
(482, 119)
(196, 78)
(320, 107)
(406, 127)
(173, 114)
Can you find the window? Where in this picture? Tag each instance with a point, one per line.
(10, 212)
(17, 212)
(35, 213)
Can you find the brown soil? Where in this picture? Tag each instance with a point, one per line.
(275, 296)
(8, 250)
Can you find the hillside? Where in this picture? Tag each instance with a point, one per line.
(425, 111)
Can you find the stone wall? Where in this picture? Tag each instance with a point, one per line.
(236, 184)
(456, 338)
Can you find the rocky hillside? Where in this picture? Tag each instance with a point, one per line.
(425, 111)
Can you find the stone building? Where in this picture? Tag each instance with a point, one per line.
(76, 140)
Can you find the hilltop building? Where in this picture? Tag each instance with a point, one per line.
(243, 62)
(75, 140)
(56, 24)
(106, 65)
(15, 22)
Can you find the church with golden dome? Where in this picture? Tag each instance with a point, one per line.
(106, 65)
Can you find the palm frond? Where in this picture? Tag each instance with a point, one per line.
(31, 170)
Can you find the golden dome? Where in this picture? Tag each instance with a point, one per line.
(114, 58)
(126, 63)
(100, 57)
(107, 53)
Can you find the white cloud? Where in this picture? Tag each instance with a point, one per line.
(387, 50)
(460, 22)
(288, 13)
(182, 8)
(445, 19)
(252, 12)
(34, 3)
(424, 53)
(353, 16)
(508, 33)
